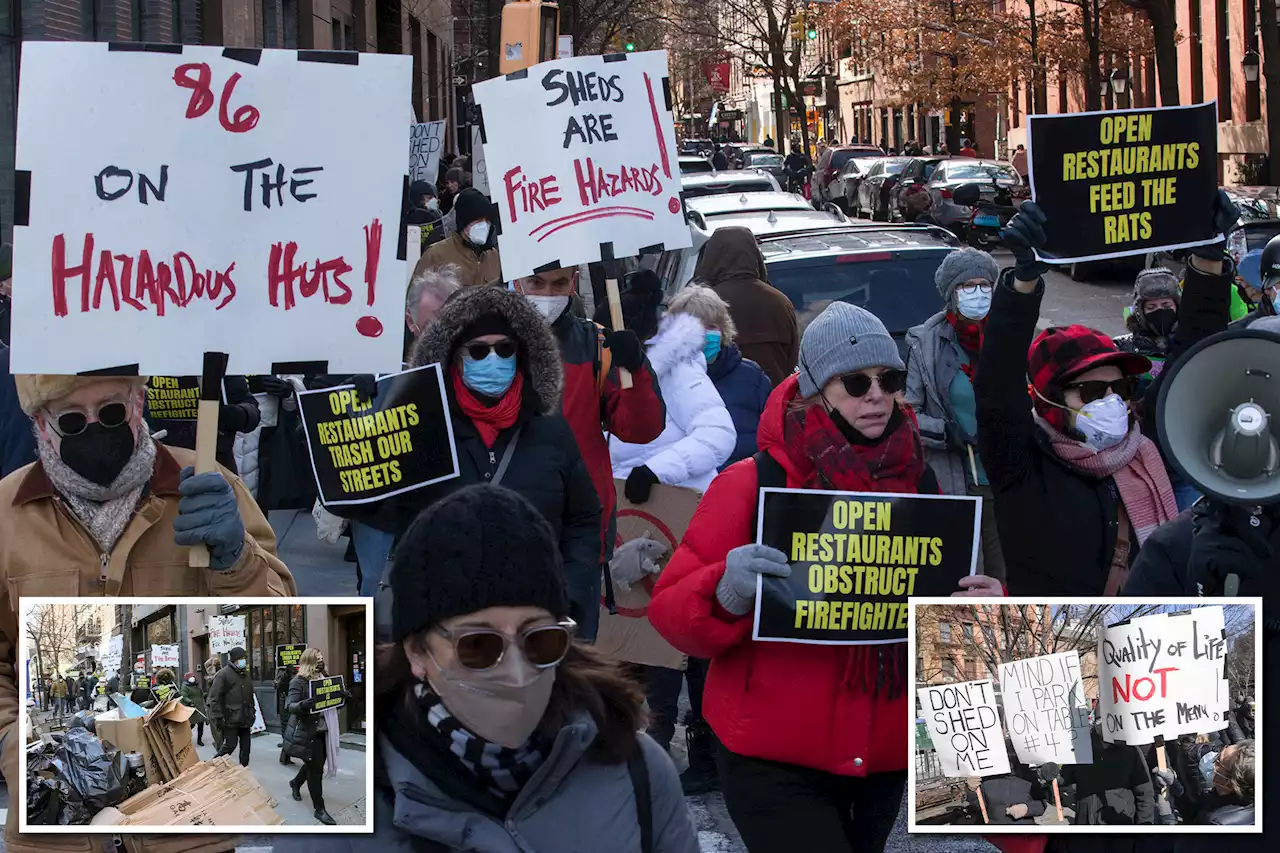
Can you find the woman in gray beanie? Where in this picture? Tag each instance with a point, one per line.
(1151, 319)
(942, 354)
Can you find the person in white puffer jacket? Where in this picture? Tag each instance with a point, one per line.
(699, 436)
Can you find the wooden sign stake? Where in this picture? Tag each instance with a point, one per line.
(1057, 800)
(215, 368)
(982, 804)
(1162, 763)
(615, 309)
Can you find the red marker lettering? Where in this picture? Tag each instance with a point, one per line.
(62, 272)
(372, 250)
(197, 77)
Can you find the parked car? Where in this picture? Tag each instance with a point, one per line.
(733, 181)
(698, 147)
(694, 165)
(870, 194)
(828, 168)
(766, 161)
(846, 182)
(909, 198)
(932, 194)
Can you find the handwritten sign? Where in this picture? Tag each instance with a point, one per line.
(328, 693)
(965, 728)
(479, 166)
(290, 654)
(426, 141)
(581, 152)
(165, 655)
(258, 215)
(1126, 182)
(226, 633)
(1045, 709)
(1163, 676)
(856, 558)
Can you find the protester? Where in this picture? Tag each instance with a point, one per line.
(718, 161)
(427, 292)
(785, 772)
(58, 692)
(285, 674)
(1250, 294)
(424, 211)
(306, 734)
(113, 683)
(484, 666)
(732, 266)
(472, 248)
(1151, 319)
(17, 443)
(1116, 789)
(1231, 802)
(1016, 798)
(452, 185)
(967, 149)
(191, 696)
(236, 415)
(941, 362)
(1020, 162)
(231, 706)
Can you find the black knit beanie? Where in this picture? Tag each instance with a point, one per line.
(482, 546)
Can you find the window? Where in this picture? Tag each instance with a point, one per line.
(160, 631)
(348, 37)
(919, 667)
(944, 631)
(971, 670)
(336, 26)
(433, 76)
(949, 669)
(1252, 91)
(1224, 61)
(968, 630)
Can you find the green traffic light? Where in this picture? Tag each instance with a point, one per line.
(629, 47)
(812, 33)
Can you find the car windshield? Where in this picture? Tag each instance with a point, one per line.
(722, 189)
(764, 160)
(900, 291)
(693, 167)
(980, 172)
(894, 167)
(840, 156)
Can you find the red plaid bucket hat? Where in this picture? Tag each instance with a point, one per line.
(1062, 352)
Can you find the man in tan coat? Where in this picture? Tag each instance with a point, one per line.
(472, 248)
(106, 511)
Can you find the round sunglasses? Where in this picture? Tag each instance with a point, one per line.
(74, 421)
(479, 352)
(479, 649)
(1124, 388)
(858, 384)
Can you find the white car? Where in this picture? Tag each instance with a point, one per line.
(730, 182)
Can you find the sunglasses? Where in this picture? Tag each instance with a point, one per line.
(479, 649)
(479, 352)
(74, 422)
(858, 384)
(1124, 388)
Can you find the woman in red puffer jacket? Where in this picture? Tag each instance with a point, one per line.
(814, 737)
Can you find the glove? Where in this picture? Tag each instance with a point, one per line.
(634, 559)
(1017, 811)
(628, 352)
(209, 515)
(973, 783)
(639, 483)
(957, 438)
(736, 590)
(1225, 216)
(1022, 236)
(366, 386)
(1229, 540)
(1166, 780)
(232, 419)
(277, 387)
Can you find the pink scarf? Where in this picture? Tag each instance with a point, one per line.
(1137, 468)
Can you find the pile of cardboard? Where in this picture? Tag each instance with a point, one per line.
(212, 793)
(162, 736)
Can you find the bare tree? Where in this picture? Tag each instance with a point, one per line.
(51, 629)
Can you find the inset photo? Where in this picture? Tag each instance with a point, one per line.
(203, 715)
(1070, 715)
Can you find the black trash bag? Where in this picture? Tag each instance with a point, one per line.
(83, 720)
(96, 772)
(51, 801)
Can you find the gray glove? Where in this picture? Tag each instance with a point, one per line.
(1022, 236)
(634, 559)
(736, 590)
(209, 515)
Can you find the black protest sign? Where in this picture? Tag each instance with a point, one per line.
(289, 655)
(328, 692)
(173, 398)
(363, 450)
(1124, 183)
(855, 558)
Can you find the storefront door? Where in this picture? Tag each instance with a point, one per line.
(356, 671)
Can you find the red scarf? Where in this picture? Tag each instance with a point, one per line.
(490, 421)
(969, 335)
(828, 460)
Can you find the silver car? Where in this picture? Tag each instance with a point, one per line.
(953, 173)
(722, 183)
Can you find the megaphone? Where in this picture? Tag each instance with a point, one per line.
(1218, 416)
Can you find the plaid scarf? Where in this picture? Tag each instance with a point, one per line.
(969, 335)
(830, 458)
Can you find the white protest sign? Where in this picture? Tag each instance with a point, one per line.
(1045, 709)
(259, 724)
(965, 728)
(479, 166)
(583, 155)
(164, 655)
(231, 200)
(1163, 676)
(426, 140)
(226, 633)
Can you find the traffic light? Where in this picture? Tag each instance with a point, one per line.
(530, 32)
(811, 28)
(797, 26)
(629, 41)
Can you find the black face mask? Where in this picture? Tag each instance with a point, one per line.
(99, 453)
(1161, 321)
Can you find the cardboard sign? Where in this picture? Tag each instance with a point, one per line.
(1163, 676)
(258, 215)
(173, 398)
(855, 558)
(259, 722)
(328, 692)
(584, 161)
(479, 166)
(1045, 709)
(1125, 182)
(226, 633)
(426, 141)
(166, 655)
(965, 728)
(628, 635)
(363, 451)
(289, 655)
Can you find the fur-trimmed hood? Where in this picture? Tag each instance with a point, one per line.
(680, 339)
(539, 354)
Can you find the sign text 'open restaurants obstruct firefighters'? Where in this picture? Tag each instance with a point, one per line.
(1126, 182)
(855, 558)
(196, 199)
(580, 153)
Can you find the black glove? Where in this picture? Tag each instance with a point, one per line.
(957, 438)
(232, 419)
(1229, 540)
(1225, 217)
(639, 483)
(1022, 236)
(628, 352)
(365, 384)
(277, 387)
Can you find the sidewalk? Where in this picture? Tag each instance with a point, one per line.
(318, 568)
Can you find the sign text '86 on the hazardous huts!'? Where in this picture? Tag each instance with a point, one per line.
(581, 152)
(189, 199)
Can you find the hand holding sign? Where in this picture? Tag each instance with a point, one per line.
(1024, 236)
(743, 568)
(209, 515)
(1225, 217)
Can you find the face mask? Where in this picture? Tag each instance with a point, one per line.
(99, 453)
(490, 376)
(477, 233)
(191, 681)
(973, 305)
(711, 346)
(1161, 321)
(240, 664)
(1104, 422)
(1206, 767)
(433, 204)
(504, 704)
(550, 307)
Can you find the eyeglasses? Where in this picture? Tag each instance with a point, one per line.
(479, 649)
(974, 288)
(74, 421)
(1124, 388)
(890, 382)
(479, 352)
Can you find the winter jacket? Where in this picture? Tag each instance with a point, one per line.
(781, 702)
(246, 448)
(1231, 815)
(933, 360)
(230, 701)
(17, 441)
(302, 725)
(58, 689)
(699, 435)
(745, 389)
(191, 696)
(239, 414)
(1000, 792)
(474, 267)
(1115, 789)
(733, 267)
(113, 684)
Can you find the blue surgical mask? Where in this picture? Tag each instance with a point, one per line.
(711, 347)
(240, 664)
(490, 376)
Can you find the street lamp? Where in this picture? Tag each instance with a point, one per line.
(1119, 81)
(1252, 65)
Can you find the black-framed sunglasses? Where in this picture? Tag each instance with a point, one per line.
(1124, 388)
(479, 352)
(74, 422)
(858, 384)
(479, 649)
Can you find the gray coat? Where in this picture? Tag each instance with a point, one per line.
(933, 360)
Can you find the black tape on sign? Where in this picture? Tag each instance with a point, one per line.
(479, 113)
(666, 92)
(119, 370)
(215, 368)
(402, 242)
(606, 252)
(247, 55)
(548, 267)
(335, 57)
(518, 75)
(655, 249)
(308, 368)
(615, 57)
(21, 196)
(142, 47)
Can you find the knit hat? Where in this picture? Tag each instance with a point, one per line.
(418, 189)
(844, 339)
(37, 390)
(470, 205)
(482, 546)
(486, 324)
(962, 265)
(1155, 283)
(1060, 353)
(237, 654)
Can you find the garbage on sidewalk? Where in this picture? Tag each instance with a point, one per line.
(212, 793)
(71, 777)
(162, 737)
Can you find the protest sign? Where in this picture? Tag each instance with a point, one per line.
(141, 682)
(257, 216)
(363, 450)
(165, 655)
(289, 655)
(965, 728)
(173, 398)
(1045, 709)
(259, 723)
(226, 633)
(328, 692)
(1163, 676)
(426, 141)
(855, 558)
(1124, 182)
(479, 166)
(584, 161)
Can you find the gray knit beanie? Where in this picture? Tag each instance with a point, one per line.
(844, 339)
(962, 265)
(1155, 283)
